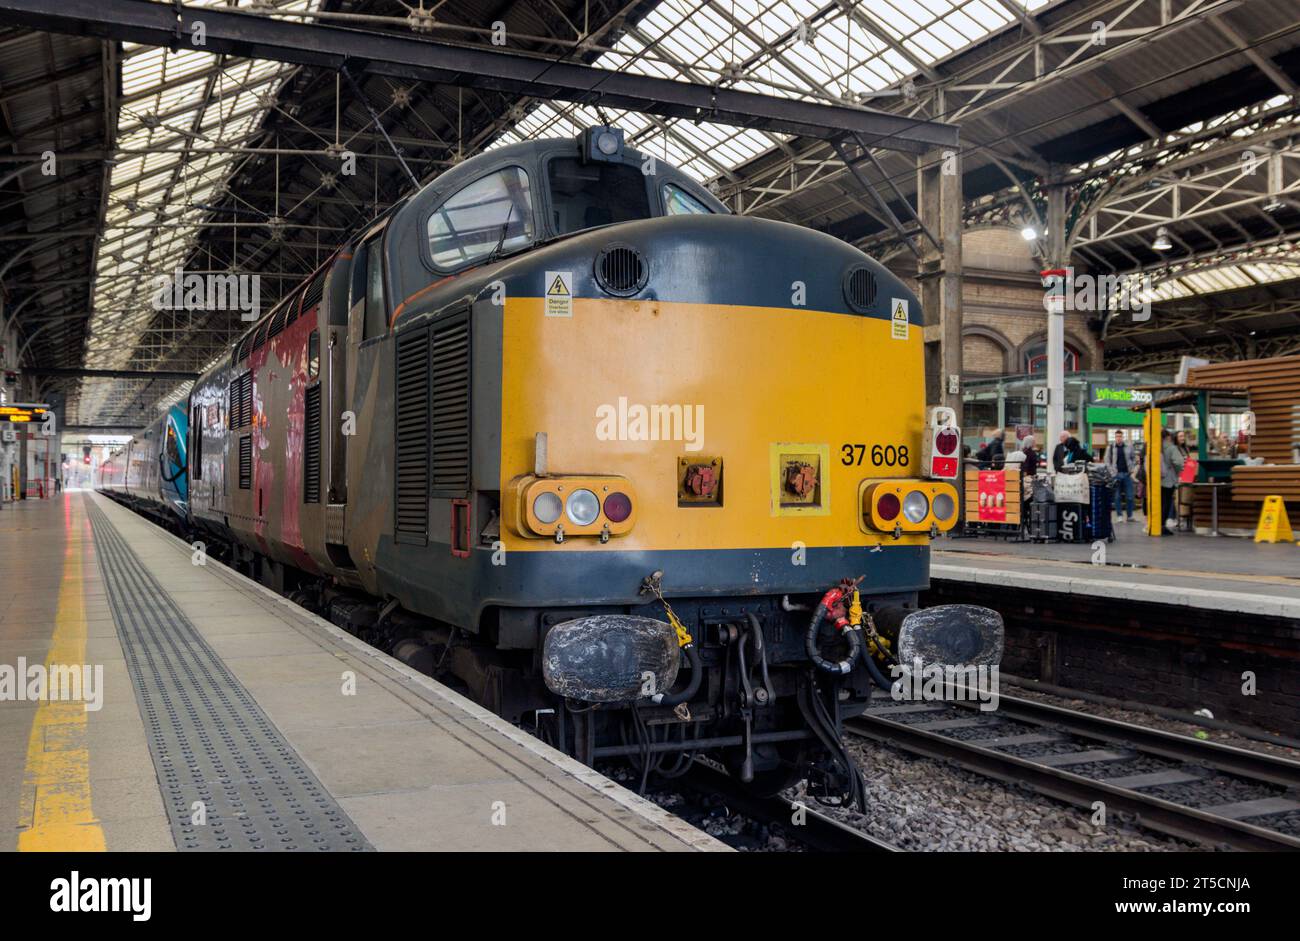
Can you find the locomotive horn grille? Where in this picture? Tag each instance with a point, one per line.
(621, 270)
(860, 289)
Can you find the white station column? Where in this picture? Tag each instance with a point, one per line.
(1055, 369)
(1055, 302)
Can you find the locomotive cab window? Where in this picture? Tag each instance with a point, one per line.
(678, 202)
(492, 215)
(172, 447)
(586, 195)
(368, 287)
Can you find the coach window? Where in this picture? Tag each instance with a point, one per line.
(196, 445)
(678, 202)
(490, 216)
(313, 354)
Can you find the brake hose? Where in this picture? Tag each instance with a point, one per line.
(874, 670)
(692, 685)
(851, 634)
(687, 645)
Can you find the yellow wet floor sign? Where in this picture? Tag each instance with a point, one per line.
(1273, 523)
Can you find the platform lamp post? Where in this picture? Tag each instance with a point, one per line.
(1058, 259)
(1055, 285)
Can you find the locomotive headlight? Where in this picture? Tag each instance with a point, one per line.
(582, 507)
(907, 507)
(915, 506)
(569, 506)
(547, 507)
(944, 507)
(607, 143)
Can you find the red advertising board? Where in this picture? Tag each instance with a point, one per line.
(993, 496)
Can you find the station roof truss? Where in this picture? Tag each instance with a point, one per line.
(229, 159)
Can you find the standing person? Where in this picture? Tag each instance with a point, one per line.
(1032, 458)
(1060, 452)
(1186, 476)
(1121, 459)
(997, 449)
(1171, 465)
(982, 455)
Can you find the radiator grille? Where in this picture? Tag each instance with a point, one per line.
(860, 290)
(450, 430)
(412, 429)
(311, 446)
(621, 270)
(245, 462)
(278, 318)
(241, 401)
(313, 293)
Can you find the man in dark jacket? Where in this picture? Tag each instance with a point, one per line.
(1122, 459)
(1060, 452)
(1032, 458)
(997, 450)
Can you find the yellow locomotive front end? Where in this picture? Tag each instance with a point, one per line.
(678, 454)
(730, 450)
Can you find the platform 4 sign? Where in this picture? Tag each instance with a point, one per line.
(1273, 523)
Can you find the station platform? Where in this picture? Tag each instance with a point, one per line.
(218, 715)
(1218, 573)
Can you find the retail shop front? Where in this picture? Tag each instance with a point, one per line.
(1096, 403)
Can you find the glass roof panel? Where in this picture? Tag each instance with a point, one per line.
(792, 48)
(165, 172)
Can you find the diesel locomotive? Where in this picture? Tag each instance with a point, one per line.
(631, 470)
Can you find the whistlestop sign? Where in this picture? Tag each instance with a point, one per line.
(1273, 523)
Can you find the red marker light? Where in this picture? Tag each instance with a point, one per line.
(946, 441)
(618, 507)
(887, 506)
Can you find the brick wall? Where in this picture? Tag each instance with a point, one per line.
(1002, 294)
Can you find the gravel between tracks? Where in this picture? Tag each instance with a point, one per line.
(924, 804)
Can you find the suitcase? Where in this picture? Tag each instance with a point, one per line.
(1071, 521)
(1100, 522)
(1042, 521)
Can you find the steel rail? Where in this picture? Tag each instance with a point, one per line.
(1152, 812)
(1256, 765)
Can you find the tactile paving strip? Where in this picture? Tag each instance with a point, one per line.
(211, 742)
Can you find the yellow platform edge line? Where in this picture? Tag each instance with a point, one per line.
(56, 814)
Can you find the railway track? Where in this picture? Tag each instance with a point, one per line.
(817, 831)
(1071, 755)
